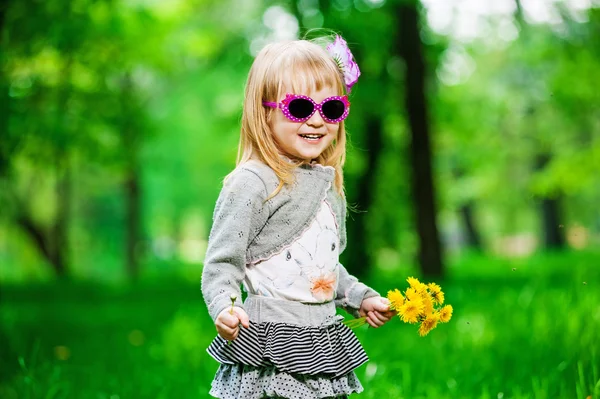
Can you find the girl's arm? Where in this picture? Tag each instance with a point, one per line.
(361, 301)
(351, 292)
(237, 218)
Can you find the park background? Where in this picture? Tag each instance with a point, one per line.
(474, 162)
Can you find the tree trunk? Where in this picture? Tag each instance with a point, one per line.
(550, 213)
(60, 229)
(467, 216)
(358, 258)
(37, 234)
(473, 240)
(133, 199)
(131, 184)
(53, 242)
(410, 49)
(44, 241)
(518, 15)
(553, 237)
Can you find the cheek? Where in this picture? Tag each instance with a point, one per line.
(334, 129)
(281, 126)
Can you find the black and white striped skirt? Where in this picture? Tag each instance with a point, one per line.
(290, 350)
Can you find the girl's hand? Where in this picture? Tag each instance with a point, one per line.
(228, 322)
(376, 310)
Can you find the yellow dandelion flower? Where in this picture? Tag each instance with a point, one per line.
(433, 287)
(396, 299)
(446, 313)
(427, 305)
(428, 324)
(439, 298)
(416, 284)
(412, 294)
(409, 312)
(413, 282)
(436, 293)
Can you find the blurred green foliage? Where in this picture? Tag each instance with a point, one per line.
(108, 99)
(108, 108)
(120, 106)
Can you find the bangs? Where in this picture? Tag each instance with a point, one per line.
(310, 76)
(306, 71)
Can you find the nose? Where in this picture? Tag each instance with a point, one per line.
(315, 120)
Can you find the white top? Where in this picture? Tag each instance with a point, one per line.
(307, 270)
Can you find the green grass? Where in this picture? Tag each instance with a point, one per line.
(521, 329)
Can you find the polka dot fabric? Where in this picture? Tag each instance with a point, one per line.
(249, 382)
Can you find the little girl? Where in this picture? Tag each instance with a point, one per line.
(278, 229)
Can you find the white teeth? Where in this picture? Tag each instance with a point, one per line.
(311, 136)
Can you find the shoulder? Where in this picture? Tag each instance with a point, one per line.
(252, 176)
(259, 168)
(244, 192)
(255, 174)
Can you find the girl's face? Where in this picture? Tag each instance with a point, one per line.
(304, 140)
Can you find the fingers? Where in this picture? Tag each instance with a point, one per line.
(229, 336)
(381, 317)
(228, 333)
(227, 323)
(383, 305)
(241, 316)
(228, 319)
(375, 319)
(374, 323)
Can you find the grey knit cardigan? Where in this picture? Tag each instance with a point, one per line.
(247, 229)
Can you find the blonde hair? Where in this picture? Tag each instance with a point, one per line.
(301, 66)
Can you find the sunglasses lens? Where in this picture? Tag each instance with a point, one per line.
(333, 109)
(300, 108)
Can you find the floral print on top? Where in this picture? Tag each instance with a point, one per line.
(307, 270)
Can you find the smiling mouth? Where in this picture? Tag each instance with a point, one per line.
(313, 137)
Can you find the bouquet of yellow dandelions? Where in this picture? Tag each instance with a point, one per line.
(420, 303)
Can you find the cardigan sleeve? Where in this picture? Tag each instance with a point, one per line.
(237, 218)
(351, 292)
